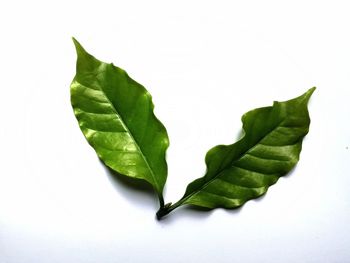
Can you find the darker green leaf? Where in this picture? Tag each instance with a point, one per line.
(115, 113)
(244, 170)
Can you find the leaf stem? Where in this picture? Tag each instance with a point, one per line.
(161, 200)
(167, 208)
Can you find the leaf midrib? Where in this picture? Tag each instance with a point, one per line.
(220, 172)
(131, 135)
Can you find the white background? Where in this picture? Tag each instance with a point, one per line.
(205, 63)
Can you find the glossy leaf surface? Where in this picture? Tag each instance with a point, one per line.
(244, 170)
(115, 113)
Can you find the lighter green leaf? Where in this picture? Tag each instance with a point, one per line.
(244, 170)
(115, 113)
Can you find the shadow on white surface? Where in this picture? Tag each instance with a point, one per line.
(135, 191)
(192, 212)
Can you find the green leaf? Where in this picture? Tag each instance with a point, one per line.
(244, 170)
(115, 113)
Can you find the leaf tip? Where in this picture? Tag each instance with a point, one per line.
(310, 91)
(308, 94)
(78, 47)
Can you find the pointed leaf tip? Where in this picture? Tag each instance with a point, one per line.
(78, 47)
(310, 91)
(76, 43)
(306, 96)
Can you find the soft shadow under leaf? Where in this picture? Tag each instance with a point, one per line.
(137, 192)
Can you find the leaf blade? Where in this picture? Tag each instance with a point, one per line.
(244, 170)
(115, 114)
